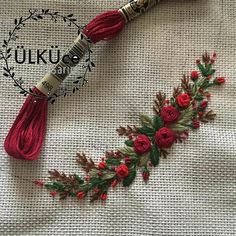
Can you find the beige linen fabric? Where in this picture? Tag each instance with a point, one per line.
(193, 191)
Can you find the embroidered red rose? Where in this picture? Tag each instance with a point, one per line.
(220, 80)
(183, 100)
(194, 75)
(165, 137)
(142, 144)
(122, 171)
(169, 114)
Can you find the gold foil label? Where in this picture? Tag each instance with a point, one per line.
(136, 8)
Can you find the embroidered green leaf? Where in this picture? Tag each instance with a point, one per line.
(146, 120)
(199, 97)
(158, 123)
(172, 101)
(179, 127)
(93, 173)
(55, 186)
(186, 115)
(143, 159)
(108, 175)
(127, 151)
(202, 69)
(113, 162)
(155, 156)
(130, 178)
(147, 131)
(79, 180)
(129, 143)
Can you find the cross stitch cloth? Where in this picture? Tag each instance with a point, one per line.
(190, 193)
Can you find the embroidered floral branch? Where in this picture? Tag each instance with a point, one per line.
(145, 145)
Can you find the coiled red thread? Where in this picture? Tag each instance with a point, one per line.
(26, 136)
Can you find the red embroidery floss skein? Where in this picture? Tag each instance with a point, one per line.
(25, 138)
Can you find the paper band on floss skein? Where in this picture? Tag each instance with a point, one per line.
(25, 138)
(52, 81)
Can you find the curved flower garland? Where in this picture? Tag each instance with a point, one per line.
(145, 145)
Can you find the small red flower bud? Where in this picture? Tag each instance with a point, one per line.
(167, 101)
(198, 61)
(208, 77)
(114, 183)
(146, 175)
(194, 75)
(53, 193)
(96, 189)
(39, 183)
(100, 174)
(87, 178)
(80, 195)
(128, 160)
(196, 124)
(204, 104)
(103, 197)
(214, 55)
(212, 60)
(130, 137)
(220, 80)
(102, 165)
(200, 114)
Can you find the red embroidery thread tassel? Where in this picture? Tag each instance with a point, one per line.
(25, 138)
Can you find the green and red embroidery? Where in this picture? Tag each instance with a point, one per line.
(145, 145)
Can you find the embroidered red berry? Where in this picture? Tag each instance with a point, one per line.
(212, 60)
(53, 193)
(196, 124)
(198, 61)
(169, 114)
(220, 80)
(204, 104)
(194, 75)
(122, 171)
(165, 137)
(103, 197)
(81, 195)
(142, 144)
(102, 165)
(183, 100)
(146, 175)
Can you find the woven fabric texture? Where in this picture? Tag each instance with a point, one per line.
(193, 191)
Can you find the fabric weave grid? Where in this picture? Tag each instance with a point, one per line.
(193, 191)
